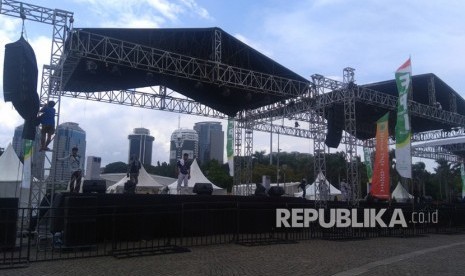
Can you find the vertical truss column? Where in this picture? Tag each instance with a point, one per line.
(216, 52)
(431, 91)
(248, 141)
(237, 155)
(319, 127)
(162, 92)
(350, 133)
(51, 87)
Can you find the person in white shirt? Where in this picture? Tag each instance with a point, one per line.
(74, 160)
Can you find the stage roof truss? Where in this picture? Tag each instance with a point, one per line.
(155, 101)
(111, 51)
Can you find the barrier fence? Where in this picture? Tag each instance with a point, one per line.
(81, 228)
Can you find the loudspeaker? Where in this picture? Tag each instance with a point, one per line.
(8, 220)
(80, 221)
(129, 187)
(94, 186)
(20, 78)
(260, 190)
(334, 134)
(203, 189)
(276, 191)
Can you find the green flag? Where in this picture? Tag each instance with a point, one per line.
(403, 129)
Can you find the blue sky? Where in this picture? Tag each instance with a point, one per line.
(308, 37)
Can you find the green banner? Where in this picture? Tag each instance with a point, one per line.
(367, 155)
(26, 183)
(403, 129)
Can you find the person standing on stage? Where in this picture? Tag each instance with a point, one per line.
(303, 186)
(75, 166)
(133, 169)
(47, 120)
(184, 171)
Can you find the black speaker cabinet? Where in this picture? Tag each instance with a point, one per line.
(260, 190)
(94, 186)
(8, 219)
(80, 221)
(276, 191)
(203, 189)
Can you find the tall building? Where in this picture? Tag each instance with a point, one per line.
(67, 136)
(38, 158)
(183, 140)
(140, 144)
(211, 141)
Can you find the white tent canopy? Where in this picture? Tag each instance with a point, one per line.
(11, 176)
(310, 191)
(196, 177)
(146, 185)
(400, 194)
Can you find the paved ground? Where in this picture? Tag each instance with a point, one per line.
(429, 255)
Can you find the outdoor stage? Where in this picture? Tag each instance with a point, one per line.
(130, 225)
(91, 218)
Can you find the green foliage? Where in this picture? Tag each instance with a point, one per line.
(116, 167)
(163, 169)
(218, 174)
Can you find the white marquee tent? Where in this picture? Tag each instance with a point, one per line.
(400, 194)
(146, 185)
(196, 177)
(11, 176)
(310, 191)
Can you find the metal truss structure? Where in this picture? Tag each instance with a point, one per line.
(61, 22)
(306, 101)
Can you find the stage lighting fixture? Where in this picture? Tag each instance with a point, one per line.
(297, 124)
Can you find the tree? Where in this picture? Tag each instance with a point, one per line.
(116, 167)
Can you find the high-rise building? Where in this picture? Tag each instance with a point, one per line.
(67, 136)
(38, 158)
(140, 144)
(211, 141)
(184, 140)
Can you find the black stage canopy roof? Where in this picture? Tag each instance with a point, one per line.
(192, 42)
(368, 114)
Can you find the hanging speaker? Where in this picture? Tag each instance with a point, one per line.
(20, 78)
(334, 133)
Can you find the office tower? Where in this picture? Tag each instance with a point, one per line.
(93, 165)
(67, 136)
(183, 140)
(211, 141)
(38, 158)
(140, 144)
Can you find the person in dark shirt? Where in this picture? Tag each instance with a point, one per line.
(303, 186)
(133, 169)
(47, 120)
(184, 171)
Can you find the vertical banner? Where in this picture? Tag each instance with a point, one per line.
(380, 185)
(229, 146)
(27, 164)
(403, 131)
(366, 152)
(462, 174)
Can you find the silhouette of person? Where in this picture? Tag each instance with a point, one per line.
(133, 169)
(184, 170)
(75, 166)
(47, 120)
